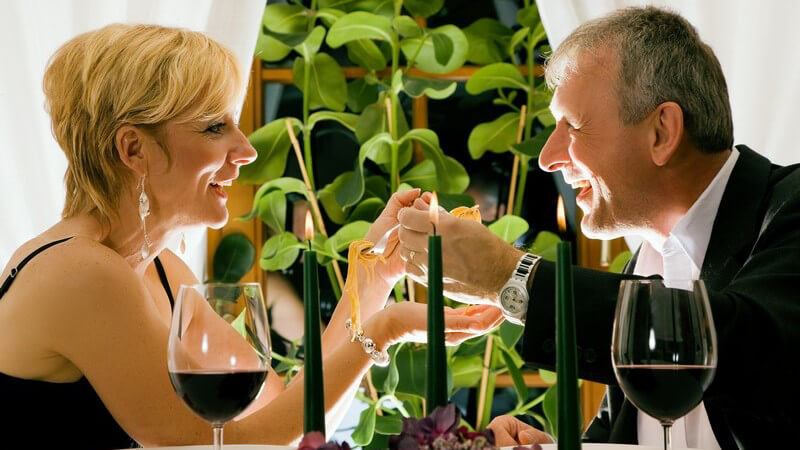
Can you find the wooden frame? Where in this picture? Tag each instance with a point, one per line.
(241, 199)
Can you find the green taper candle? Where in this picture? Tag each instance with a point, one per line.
(569, 428)
(436, 394)
(314, 399)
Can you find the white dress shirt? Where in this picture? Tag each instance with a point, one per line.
(681, 258)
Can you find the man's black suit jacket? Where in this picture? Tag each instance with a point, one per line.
(752, 273)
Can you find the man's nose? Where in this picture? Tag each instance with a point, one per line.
(555, 153)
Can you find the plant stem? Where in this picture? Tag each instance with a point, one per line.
(525, 160)
(306, 133)
(337, 292)
(394, 173)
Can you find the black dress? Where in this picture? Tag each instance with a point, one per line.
(58, 415)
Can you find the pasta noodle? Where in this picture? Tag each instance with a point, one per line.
(357, 254)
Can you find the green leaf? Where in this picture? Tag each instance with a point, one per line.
(423, 176)
(451, 174)
(388, 424)
(270, 49)
(360, 25)
(488, 40)
(353, 189)
(516, 376)
(528, 17)
(347, 119)
(233, 258)
(347, 234)
(442, 47)
(407, 27)
(285, 18)
(467, 371)
(424, 8)
(538, 34)
(471, 347)
(272, 145)
(545, 245)
(327, 197)
(496, 76)
(509, 227)
(550, 408)
(404, 187)
(272, 210)
(362, 435)
(532, 147)
(285, 184)
(366, 54)
(392, 374)
(411, 366)
(619, 262)
(379, 441)
(547, 376)
(238, 323)
(377, 186)
(368, 210)
(329, 15)
(360, 94)
(327, 85)
(435, 89)
(451, 201)
(288, 39)
(373, 121)
(510, 333)
(496, 136)
(280, 252)
(426, 59)
(518, 38)
(382, 7)
(310, 45)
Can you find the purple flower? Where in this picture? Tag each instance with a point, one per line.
(316, 441)
(440, 431)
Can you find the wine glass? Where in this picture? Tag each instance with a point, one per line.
(219, 349)
(664, 347)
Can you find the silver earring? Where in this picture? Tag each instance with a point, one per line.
(144, 211)
(183, 243)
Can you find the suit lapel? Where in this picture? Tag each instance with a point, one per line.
(738, 219)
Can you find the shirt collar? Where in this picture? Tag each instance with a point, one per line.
(693, 232)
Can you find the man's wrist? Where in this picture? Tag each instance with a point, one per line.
(505, 270)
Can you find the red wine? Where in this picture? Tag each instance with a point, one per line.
(666, 392)
(218, 396)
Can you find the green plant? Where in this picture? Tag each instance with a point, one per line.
(383, 38)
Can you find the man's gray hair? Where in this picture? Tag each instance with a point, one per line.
(661, 58)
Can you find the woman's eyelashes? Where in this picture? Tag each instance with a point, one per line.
(216, 128)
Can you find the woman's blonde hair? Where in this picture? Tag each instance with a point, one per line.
(143, 75)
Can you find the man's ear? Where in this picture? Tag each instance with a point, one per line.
(668, 132)
(129, 143)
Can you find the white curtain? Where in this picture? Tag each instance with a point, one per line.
(31, 164)
(757, 44)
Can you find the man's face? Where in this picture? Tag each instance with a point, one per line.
(607, 160)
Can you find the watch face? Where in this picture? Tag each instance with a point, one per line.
(512, 299)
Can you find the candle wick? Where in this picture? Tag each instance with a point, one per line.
(434, 229)
(309, 244)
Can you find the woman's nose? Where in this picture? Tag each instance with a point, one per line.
(243, 153)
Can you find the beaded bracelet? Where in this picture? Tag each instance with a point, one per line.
(381, 358)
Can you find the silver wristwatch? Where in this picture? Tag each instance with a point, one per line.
(514, 294)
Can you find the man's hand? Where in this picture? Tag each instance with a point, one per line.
(508, 431)
(476, 262)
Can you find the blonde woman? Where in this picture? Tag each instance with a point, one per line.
(146, 118)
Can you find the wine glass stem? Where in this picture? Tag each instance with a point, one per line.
(667, 436)
(217, 437)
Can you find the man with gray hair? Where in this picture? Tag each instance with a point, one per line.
(644, 130)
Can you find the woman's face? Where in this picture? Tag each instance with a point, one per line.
(206, 156)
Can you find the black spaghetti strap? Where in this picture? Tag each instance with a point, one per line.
(164, 281)
(15, 270)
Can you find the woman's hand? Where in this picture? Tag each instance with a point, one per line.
(394, 268)
(408, 322)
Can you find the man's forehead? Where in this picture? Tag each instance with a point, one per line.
(591, 73)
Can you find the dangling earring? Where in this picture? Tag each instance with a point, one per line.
(183, 243)
(144, 211)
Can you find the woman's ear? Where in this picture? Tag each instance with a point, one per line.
(128, 142)
(668, 127)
